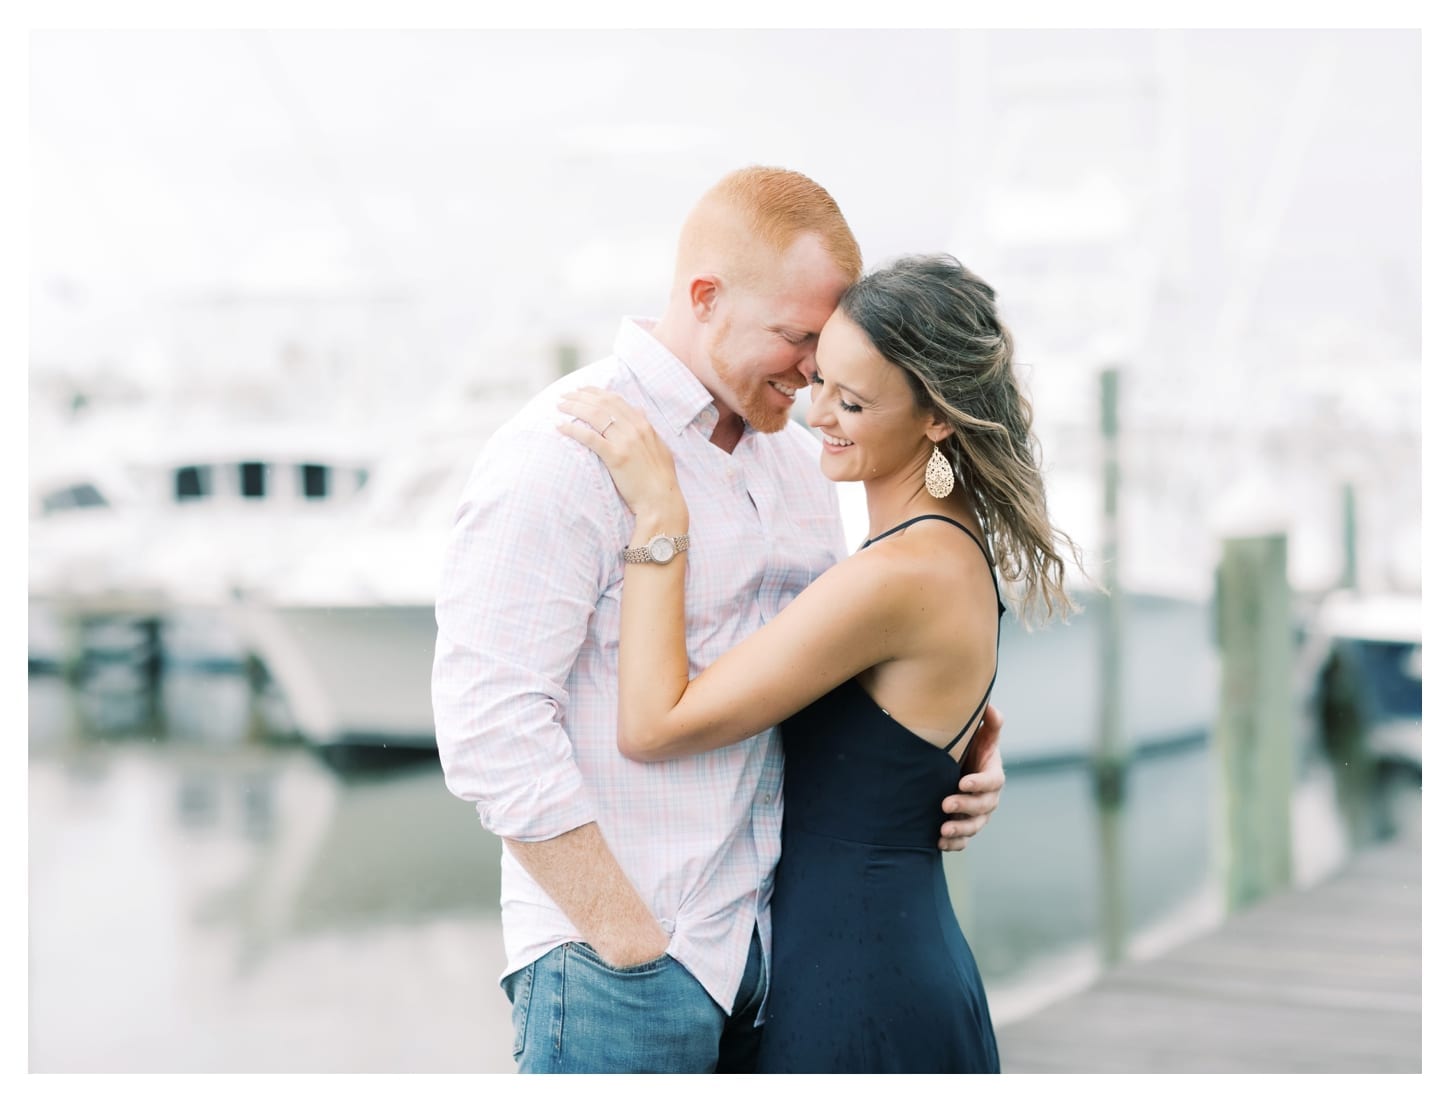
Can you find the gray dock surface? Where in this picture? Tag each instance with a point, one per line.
(1327, 979)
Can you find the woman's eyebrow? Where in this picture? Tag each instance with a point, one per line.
(842, 386)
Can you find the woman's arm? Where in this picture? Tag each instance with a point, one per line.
(848, 620)
(841, 624)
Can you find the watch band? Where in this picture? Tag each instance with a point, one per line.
(646, 553)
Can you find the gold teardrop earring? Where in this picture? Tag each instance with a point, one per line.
(939, 477)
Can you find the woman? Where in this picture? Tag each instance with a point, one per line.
(876, 673)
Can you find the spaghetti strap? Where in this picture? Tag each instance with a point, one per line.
(918, 520)
(1001, 608)
(980, 708)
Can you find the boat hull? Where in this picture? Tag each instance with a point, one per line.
(351, 675)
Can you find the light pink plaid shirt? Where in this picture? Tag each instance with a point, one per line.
(525, 679)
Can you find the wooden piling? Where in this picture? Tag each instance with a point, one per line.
(1110, 766)
(1349, 536)
(566, 358)
(1252, 736)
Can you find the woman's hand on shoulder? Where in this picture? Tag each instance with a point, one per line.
(640, 463)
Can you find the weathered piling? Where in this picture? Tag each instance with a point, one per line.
(566, 358)
(1349, 536)
(1110, 765)
(1252, 737)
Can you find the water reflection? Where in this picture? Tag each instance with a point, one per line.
(208, 894)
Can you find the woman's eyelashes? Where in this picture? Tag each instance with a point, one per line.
(816, 380)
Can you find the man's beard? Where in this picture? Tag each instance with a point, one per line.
(753, 395)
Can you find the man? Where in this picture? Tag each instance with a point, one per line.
(637, 895)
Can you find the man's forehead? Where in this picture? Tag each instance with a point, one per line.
(800, 318)
(806, 303)
(806, 263)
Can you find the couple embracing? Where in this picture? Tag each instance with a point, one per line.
(726, 760)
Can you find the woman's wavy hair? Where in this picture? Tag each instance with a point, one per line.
(938, 322)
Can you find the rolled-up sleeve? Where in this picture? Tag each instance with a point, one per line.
(521, 576)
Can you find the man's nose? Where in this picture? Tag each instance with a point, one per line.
(806, 365)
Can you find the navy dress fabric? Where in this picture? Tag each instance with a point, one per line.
(870, 971)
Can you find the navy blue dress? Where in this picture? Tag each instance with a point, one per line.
(870, 971)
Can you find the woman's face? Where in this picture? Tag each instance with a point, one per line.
(864, 408)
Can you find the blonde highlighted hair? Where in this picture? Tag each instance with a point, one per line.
(938, 323)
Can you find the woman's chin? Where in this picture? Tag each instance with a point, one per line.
(836, 476)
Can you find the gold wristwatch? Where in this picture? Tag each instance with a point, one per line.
(659, 550)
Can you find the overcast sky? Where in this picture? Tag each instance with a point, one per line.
(508, 181)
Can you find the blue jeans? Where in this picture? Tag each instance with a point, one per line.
(574, 1013)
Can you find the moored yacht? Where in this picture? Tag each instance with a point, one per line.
(130, 520)
(348, 630)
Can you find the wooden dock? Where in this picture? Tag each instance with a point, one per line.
(1327, 979)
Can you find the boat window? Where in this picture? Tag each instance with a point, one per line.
(362, 477)
(314, 480)
(82, 495)
(86, 496)
(254, 479)
(192, 482)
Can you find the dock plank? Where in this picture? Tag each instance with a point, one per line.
(1326, 979)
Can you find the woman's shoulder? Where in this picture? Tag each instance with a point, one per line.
(931, 556)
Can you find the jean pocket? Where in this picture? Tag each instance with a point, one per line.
(646, 968)
(520, 989)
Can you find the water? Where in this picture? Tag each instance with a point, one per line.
(206, 897)
(208, 894)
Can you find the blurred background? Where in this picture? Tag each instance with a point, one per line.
(284, 285)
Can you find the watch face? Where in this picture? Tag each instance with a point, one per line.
(662, 549)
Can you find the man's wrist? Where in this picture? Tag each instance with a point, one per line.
(632, 945)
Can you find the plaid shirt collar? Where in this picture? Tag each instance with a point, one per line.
(679, 398)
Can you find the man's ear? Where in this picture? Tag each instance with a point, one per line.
(704, 296)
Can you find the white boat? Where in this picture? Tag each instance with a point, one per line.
(348, 632)
(84, 531)
(226, 502)
(175, 520)
(138, 519)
